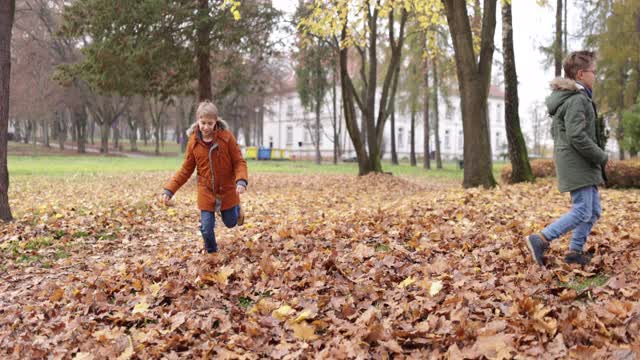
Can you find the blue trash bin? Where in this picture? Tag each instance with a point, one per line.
(264, 153)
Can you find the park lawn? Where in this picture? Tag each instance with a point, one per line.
(57, 165)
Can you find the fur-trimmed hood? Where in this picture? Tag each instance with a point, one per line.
(562, 89)
(561, 83)
(220, 124)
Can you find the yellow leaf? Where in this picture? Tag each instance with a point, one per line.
(282, 312)
(304, 315)
(304, 331)
(435, 288)
(406, 282)
(56, 295)
(155, 288)
(171, 212)
(137, 284)
(222, 276)
(141, 307)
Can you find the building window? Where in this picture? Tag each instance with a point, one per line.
(289, 135)
(400, 138)
(447, 140)
(460, 139)
(498, 143)
(498, 113)
(450, 111)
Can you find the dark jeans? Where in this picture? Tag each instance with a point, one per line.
(208, 223)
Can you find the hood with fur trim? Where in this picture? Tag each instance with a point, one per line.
(562, 89)
(220, 124)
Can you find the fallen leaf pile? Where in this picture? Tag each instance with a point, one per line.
(325, 266)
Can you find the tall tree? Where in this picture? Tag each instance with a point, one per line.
(557, 44)
(425, 117)
(7, 9)
(394, 151)
(517, 147)
(618, 82)
(631, 119)
(436, 113)
(473, 82)
(149, 47)
(341, 20)
(312, 82)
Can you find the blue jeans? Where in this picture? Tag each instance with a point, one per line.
(208, 224)
(584, 212)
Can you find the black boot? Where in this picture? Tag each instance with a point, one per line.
(577, 257)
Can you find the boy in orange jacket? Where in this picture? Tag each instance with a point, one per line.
(222, 173)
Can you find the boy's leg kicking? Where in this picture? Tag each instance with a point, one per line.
(230, 217)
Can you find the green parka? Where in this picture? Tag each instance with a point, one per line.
(578, 145)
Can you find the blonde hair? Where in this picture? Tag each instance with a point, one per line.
(207, 109)
(577, 60)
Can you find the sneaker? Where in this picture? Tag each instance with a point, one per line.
(240, 217)
(537, 246)
(577, 257)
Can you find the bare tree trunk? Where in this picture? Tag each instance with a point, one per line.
(620, 128)
(45, 131)
(521, 169)
(413, 160)
(348, 104)
(436, 114)
(336, 135)
(474, 76)
(92, 130)
(105, 129)
(80, 120)
(203, 52)
(7, 9)
(116, 134)
(61, 122)
(564, 31)
(318, 132)
(557, 45)
(427, 146)
(394, 153)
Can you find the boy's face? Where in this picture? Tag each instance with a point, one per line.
(206, 124)
(588, 76)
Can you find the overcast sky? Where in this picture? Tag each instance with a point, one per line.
(533, 26)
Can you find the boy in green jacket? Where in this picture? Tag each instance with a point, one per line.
(578, 154)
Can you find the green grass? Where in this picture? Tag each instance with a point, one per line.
(245, 301)
(169, 147)
(579, 284)
(97, 165)
(69, 165)
(38, 243)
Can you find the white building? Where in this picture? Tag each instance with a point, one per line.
(287, 125)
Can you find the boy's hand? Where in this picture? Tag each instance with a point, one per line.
(165, 200)
(240, 189)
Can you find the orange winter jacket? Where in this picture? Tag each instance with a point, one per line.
(219, 168)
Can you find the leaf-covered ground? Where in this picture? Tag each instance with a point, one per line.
(324, 267)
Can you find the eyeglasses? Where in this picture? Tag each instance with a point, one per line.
(591, 71)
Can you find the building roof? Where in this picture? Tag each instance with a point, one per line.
(495, 91)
